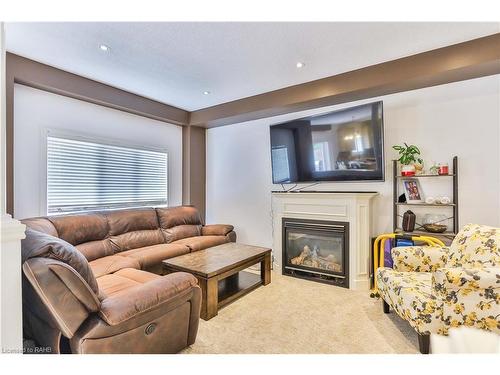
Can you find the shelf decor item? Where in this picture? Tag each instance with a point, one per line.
(443, 169)
(412, 190)
(409, 157)
(430, 200)
(434, 169)
(443, 200)
(409, 219)
(435, 223)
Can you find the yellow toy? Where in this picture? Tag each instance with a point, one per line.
(378, 256)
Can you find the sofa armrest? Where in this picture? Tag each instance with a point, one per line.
(419, 258)
(146, 297)
(468, 279)
(216, 230)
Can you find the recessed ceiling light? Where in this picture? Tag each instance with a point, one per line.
(104, 47)
(206, 92)
(300, 65)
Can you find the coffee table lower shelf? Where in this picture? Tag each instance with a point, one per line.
(235, 286)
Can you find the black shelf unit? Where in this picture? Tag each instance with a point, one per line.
(454, 202)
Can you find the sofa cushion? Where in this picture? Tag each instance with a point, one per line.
(410, 295)
(138, 276)
(134, 228)
(41, 224)
(80, 228)
(181, 231)
(177, 223)
(122, 280)
(161, 291)
(111, 264)
(173, 216)
(216, 229)
(136, 239)
(202, 242)
(37, 244)
(124, 221)
(96, 249)
(150, 255)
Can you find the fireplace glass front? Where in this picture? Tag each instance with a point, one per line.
(316, 249)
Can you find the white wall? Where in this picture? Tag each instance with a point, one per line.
(37, 110)
(11, 234)
(461, 118)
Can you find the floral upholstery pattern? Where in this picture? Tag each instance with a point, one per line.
(475, 246)
(410, 295)
(436, 288)
(419, 258)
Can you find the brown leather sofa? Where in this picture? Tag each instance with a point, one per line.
(93, 282)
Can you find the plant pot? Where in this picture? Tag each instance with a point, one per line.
(408, 170)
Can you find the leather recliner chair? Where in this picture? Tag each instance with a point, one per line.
(61, 298)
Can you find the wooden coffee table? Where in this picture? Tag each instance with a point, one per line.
(219, 271)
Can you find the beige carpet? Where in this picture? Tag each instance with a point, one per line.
(298, 316)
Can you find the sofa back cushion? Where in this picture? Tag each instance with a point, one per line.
(88, 232)
(180, 222)
(475, 246)
(134, 228)
(38, 244)
(41, 224)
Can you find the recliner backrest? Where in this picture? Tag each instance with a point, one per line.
(41, 245)
(179, 222)
(474, 246)
(59, 278)
(134, 228)
(88, 232)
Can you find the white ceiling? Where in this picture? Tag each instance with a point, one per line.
(175, 62)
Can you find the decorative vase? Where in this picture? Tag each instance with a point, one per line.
(408, 170)
(418, 168)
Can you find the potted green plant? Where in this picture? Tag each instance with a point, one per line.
(409, 157)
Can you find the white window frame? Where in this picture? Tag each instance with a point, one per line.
(77, 136)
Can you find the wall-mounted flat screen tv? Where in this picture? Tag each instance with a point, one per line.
(345, 145)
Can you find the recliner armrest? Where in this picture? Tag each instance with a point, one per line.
(125, 305)
(216, 229)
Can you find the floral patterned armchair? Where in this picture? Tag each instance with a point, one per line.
(436, 288)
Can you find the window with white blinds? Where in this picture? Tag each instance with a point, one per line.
(83, 176)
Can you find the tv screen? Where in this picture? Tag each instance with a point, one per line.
(345, 145)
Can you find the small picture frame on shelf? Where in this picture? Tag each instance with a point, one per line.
(412, 190)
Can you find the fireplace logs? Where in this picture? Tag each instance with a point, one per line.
(311, 258)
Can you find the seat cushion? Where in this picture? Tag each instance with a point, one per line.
(202, 242)
(152, 255)
(410, 295)
(111, 264)
(122, 280)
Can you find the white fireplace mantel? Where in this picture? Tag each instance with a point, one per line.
(352, 207)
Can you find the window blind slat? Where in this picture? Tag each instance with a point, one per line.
(84, 176)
